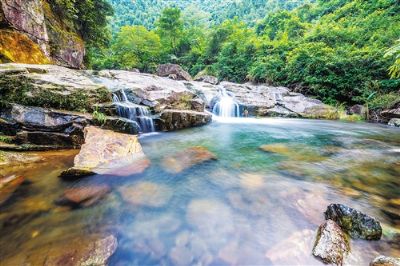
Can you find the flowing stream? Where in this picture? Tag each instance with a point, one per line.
(248, 207)
(134, 112)
(226, 105)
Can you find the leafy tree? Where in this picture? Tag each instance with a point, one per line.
(394, 52)
(136, 47)
(170, 29)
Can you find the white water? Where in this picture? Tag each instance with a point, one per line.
(226, 106)
(134, 112)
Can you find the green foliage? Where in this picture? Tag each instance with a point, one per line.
(6, 139)
(384, 101)
(88, 17)
(99, 117)
(337, 50)
(136, 47)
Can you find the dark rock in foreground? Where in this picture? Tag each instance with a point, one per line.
(187, 158)
(331, 244)
(173, 71)
(385, 261)
(355, 223)
(179, 119)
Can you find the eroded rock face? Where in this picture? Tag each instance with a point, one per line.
(355, 223)
(173, 71)
(385, 261)
(171, 120)
(186, 159)
(51, 87)
(36, 20)
(393, 112)
(116, 154)
(44, 127)
(331, 244)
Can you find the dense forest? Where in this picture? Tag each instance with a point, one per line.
(338, 51)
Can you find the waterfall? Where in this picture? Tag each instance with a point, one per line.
(134, 112)
(226, 106)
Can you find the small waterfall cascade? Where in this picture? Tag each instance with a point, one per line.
(134, 112)
(226, 105)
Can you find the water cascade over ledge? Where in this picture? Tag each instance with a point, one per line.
(226, 105)
(135, 112)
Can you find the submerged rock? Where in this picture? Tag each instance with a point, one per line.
(186, 159)
(385, 261)
(147, 194)
(84, 196)
(92, 250)
(115, 154)
(8, 185)
(180, 119)
(173, 71)
(355, 223)
(331, 244)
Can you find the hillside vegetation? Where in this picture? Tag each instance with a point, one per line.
(336, 50)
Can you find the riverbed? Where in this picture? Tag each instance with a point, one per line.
(251, 206)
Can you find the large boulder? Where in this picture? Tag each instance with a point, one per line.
(179, 119)
(393, 112)
(83, 196)
(116, 154)
(355, 223)
(173, 71)
(331, 244)
(157, 93)
(385, 261)
(394, 122)
(50, 86)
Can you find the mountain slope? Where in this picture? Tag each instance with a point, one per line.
(146, 12)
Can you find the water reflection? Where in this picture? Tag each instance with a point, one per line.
(260, 203)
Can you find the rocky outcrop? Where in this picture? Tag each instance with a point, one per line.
(394, 122)
(331, 244)
(385, 261)
(171, 120)
(152, 91)
(263, 100)
(116, 154)
(49, 37)
(393, 112)
(173, 71)
(187, 158)
(355, 223)
(50, 86)
(207, 79)
(43, 127)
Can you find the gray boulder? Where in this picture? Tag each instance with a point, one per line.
(355, 223)
(207, 79)
(331, 244)
(385, 261)
(394, 122)
(173, 71)
(179, 119)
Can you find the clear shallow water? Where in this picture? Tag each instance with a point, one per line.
(250, 207)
